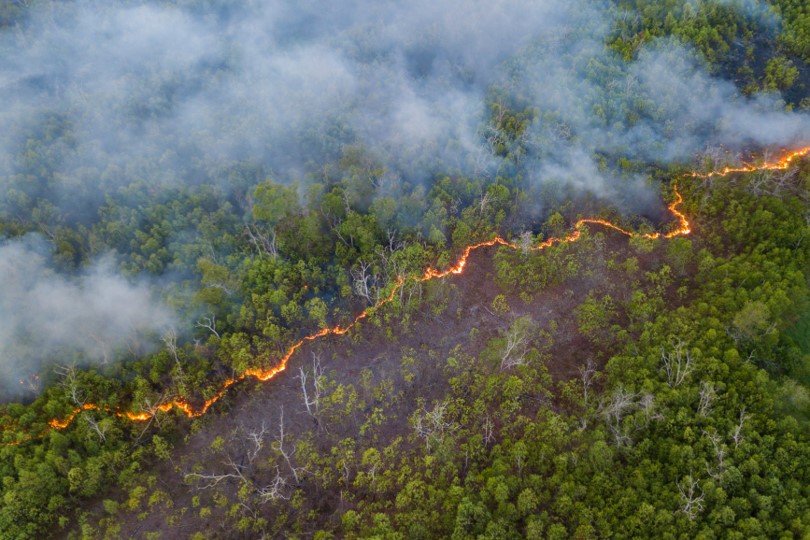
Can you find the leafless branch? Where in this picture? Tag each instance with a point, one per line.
(719, 454)
(588, 374)
(312, 397)
(692, 502)
(432, 425)
(489, 435)
(287, 453)
(736, 434)
(98, 428)
(170, 340)
(707, 395)
(677, 364)
(209, 322)
(70, 383)
(264, 242)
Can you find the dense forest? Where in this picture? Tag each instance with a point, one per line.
(238, 297)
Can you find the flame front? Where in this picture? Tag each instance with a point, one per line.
(779, 165)
(260, 374)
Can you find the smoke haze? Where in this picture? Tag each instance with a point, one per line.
(288, 85)
(48, 318)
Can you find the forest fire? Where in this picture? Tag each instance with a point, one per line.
(779, 165)
(262, 374)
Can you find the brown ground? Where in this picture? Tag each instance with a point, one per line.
(468, 296)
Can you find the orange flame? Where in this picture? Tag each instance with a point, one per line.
(260, 374)
(779, 165)
(430, 273)
(62, 424)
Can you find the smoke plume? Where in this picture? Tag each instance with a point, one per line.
(52, 319)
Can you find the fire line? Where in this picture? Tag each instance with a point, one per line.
(182, 405)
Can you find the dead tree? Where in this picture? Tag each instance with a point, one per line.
(170, 340)
(588, 374)
(514, 353)
(736, 434)
(256, 440)
(484, 202)
(646, 404)
(208, 481)
(274, 490)
(288, 453)
(242, 469)
(209, 322)
(707, 395)
(263, 241)
(71, 384)
(489, 435)
(516, 343)
(103, 347)
(367, 282)
(432, 425)
(394, 245)
(719, 454)
(525, 242)
(691, 501)
(32, 383)
(621, 403)
(99, 428)
(312, 397)
(677, 364)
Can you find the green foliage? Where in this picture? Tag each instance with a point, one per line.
(700, 393)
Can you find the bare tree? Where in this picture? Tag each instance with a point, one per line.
(525, 242)
(367, 282)
(588, 374)
(99, 428)
(432, 425)
(256, 440)
(691, 501)
(274, 490)
(394, 244)
(515, 350)
(719, 454)
(677, 364)
(242, 469)
(103, 347)
(312, 398)
(32, 383)
(288, 453)
(517, 343)
(170, 340)
(71, 384)
(151, 412)
(208, 481)
(208, 322)
(484, 202)
(263, 241)
(736, 434)
(621, 403)
(489, 435)
(707, 395)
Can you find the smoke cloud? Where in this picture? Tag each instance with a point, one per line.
(52, 319)
(171, 93)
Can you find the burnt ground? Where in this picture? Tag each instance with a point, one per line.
(456, 312)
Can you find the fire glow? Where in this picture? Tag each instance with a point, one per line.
(262, 374)
(779, 165)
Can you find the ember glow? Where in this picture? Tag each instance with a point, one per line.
(262, 374)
